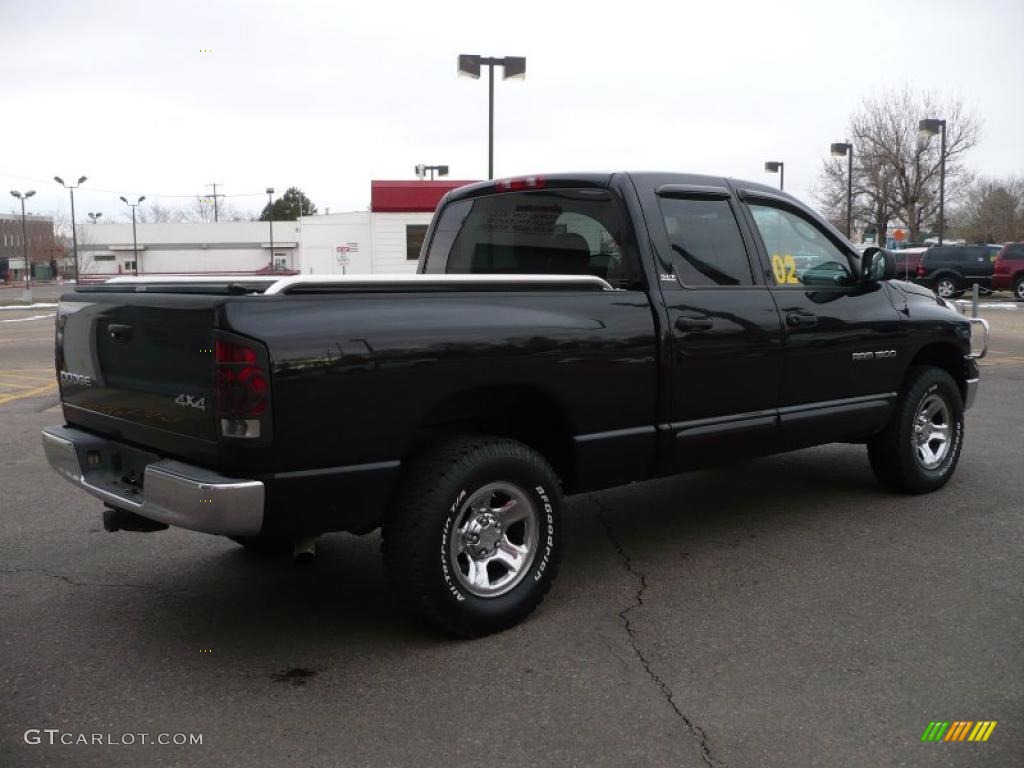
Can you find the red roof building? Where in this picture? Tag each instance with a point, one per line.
(410, 196)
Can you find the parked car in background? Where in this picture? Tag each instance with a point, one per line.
(907, 260)
(1008, 274)
(949, 270)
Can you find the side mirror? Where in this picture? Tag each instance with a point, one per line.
(877, 264)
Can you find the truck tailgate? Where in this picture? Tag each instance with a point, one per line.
(139, 360)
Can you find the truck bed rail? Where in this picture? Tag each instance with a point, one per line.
(295, 284)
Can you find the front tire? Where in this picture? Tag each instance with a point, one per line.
(1018, 288)
(919, 448)
(473, 540)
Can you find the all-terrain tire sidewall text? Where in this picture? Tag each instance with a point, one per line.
(548, 536)
(419, 529)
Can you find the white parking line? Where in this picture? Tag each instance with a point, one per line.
(16, 307)
(984, 305)
(26, 319)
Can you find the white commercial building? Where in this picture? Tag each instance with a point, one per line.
(384, 239)
(229, 247)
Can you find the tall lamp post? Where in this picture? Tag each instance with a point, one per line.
(422, 170)
(74, 238)
(841, 149)
(270, 218)
(135, 240)
(26, 293)
(779, 167)
(929, 128)
(512, 67)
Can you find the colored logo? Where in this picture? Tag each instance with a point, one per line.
(959, 730)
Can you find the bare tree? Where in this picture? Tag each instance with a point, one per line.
(896, 171)
(153, 212)
(992, 211)
(201, 209)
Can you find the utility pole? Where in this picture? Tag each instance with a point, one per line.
(215, 196)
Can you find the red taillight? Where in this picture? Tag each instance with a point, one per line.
(921, 272)
(519, 184)
(228, 352)
(240, 382)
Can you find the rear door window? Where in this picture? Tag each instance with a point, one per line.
(1015, 252)
(707, 249)
(537, 232)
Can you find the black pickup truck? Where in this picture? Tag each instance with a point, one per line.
(563, 334)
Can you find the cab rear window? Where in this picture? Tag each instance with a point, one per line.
(537, 232)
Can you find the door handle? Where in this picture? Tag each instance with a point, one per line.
(801, 319)
(120, 333)
(691, 324)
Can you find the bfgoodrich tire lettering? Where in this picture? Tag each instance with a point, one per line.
(473, 539)
(919, 448)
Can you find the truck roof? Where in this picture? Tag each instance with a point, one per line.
(603, 179)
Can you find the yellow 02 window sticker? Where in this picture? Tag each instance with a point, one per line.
(784, 269)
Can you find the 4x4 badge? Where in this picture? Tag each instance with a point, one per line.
(191, 401)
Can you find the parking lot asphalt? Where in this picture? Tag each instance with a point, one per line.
(783, 612)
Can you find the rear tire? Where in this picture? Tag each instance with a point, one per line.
(1018, 288)
(473, 539)
(919, 448)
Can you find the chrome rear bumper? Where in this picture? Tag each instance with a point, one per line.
(171, 491)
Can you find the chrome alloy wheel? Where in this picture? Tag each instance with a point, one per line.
(1019, 290)
(933, 431)
(495, 539)
(945, 288)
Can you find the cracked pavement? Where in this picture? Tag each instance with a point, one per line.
(600, 513)
(784, 612)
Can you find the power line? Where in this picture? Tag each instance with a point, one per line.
(131, 192)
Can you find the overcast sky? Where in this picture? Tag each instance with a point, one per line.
(327, 95)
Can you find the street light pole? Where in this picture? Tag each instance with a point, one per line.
(839, 149)
(930, 127)
(779, 167)
(423, 170)
(74, 237)
(26, 293)
(135, 240)
(270, 218)
(512, 67)
(94, 217)
(490, 122)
